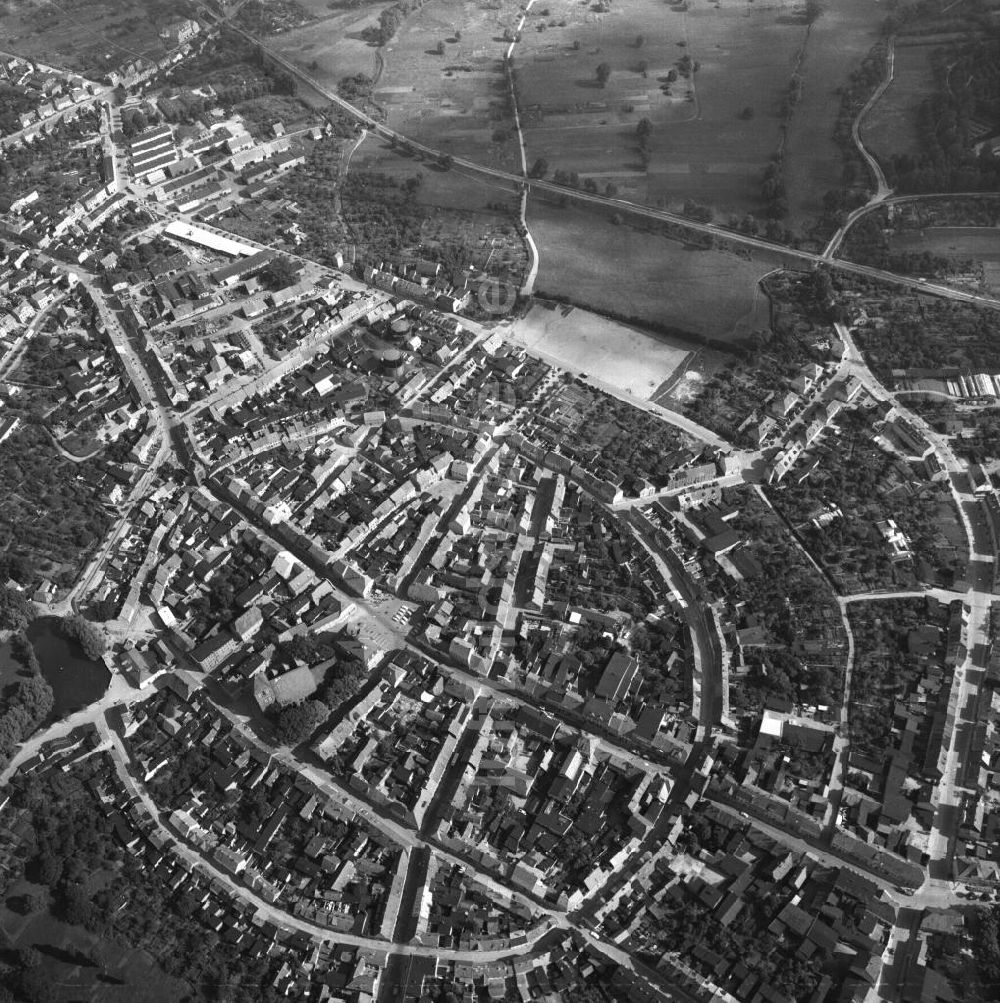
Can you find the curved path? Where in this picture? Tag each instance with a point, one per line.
(528, 286)
(841, 235)
(882, 189)
(196, 859)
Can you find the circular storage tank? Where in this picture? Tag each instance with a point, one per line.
(392, 362)
(401, 327)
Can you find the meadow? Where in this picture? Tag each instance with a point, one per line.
(332, 47)
(637, 273)
(891, 125)
(814, 163)
(713, 130)
(978, 243)
(439, 80)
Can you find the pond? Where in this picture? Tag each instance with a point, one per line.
(75, 680)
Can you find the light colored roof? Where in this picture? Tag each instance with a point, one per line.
(206, 238)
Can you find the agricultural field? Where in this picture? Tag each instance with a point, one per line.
(814, 163)
(333, 46)
(639, 275)
(891, 127)
(627, 359)
(710, 79)
(88, 36)
(443, 83)
(963, 242)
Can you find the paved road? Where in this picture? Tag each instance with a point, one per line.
(267, 911)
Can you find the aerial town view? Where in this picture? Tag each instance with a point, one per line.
(499, 501)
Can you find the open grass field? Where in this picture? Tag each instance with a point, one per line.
(978, 243)
(630, 360)
(332, 48)
(633, 273)
(891, 125)
(701, 148)
(838, 40)
(87, 36)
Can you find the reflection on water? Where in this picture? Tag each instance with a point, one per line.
(75, 680)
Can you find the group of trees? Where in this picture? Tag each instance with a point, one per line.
(570, 179)
(29, 701)
(280, 273)
(986, 938)
(793, 604)
(381, 215)
(70, 841)
(137, 120)
(235, 68)
(14, 101)
(389, 21)
(885, 670)
(868, 484)
(15, 611)
(643, 135)
(88, 635)
(27, 708)
(356, 88)
(932, 335)
(772, 188)
(967, 91)
(58, 166)
(342, 682)
(867, 244)
(682, 926)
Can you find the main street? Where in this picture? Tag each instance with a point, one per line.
(269, 912)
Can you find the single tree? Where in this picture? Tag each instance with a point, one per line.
(603, 73)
